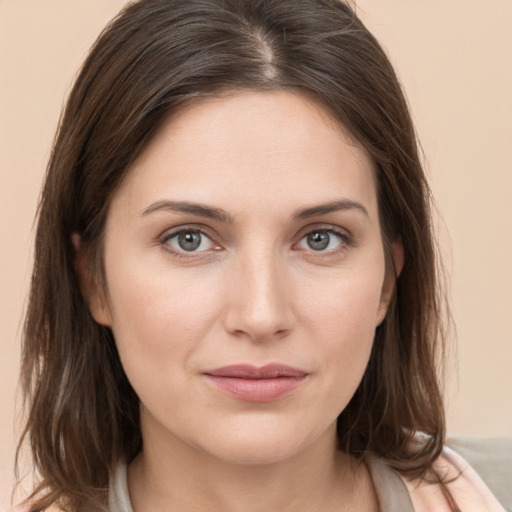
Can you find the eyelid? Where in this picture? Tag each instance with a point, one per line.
(346, 237)
(168, 234)
(332, 228)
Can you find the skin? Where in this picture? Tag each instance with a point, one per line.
(254, 292)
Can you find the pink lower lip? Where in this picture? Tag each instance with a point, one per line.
(256, 390)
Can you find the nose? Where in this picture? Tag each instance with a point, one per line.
(260, 307)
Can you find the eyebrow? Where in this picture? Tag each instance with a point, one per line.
(200, 210)
(221, 215)
(330, 207)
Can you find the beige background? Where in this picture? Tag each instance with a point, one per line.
(454, 58)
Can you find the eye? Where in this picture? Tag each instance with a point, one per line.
(189, 240)
(323, 240)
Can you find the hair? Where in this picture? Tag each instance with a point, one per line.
(82, 413)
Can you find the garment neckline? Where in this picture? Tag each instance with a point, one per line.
(390, 488)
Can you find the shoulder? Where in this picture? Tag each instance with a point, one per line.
(463, 488)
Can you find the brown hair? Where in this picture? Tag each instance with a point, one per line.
(83, 415)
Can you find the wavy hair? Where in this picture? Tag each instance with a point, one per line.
(82, 413)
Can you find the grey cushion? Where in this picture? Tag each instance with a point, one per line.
(492, 460)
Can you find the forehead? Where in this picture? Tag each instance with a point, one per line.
(250, 148)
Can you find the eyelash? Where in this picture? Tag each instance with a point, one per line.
(164, 241)
(346, 240)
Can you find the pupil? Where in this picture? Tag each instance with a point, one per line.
(318, 240)
(189, 240)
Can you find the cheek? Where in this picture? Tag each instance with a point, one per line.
(342, 318)
(158, 319)
(344, 303)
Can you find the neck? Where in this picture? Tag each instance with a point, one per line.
(179, 477)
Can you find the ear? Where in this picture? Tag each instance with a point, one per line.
(93, 295)
(388, 287)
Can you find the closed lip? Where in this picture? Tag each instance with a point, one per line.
(250, 383)
(247, 371)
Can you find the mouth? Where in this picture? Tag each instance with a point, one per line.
(256, 384)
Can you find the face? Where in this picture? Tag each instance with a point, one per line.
(245, 277)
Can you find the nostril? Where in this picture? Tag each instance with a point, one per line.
(258, 331)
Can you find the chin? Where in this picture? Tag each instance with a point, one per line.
(265, 444)
(257, 454)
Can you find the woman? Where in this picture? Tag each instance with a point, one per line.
(234, 303)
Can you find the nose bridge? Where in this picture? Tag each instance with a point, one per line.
(260, 305)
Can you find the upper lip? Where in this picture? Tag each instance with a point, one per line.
(247, 371)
